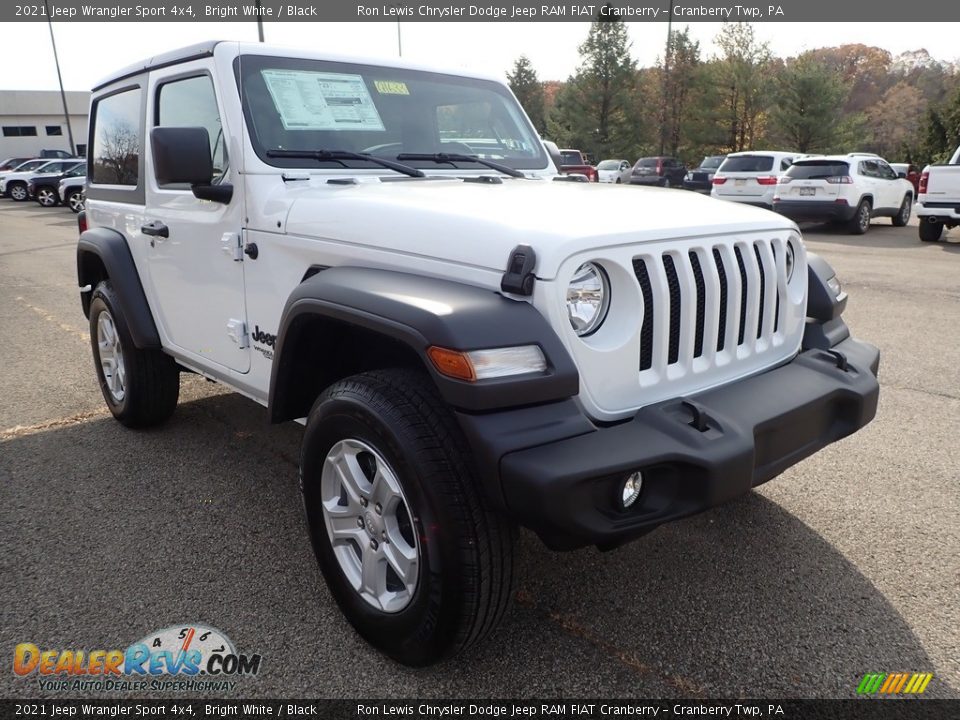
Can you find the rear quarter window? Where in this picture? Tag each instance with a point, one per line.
(117, 139)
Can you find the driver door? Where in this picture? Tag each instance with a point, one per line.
(196, 269)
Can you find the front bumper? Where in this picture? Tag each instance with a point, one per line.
(568, 490)
(815, 210)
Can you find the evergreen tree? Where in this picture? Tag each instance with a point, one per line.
(529, 91)
(808, 114)
(596, 110)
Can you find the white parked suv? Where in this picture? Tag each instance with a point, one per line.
(15, 184)
(845, 189)
(751, 177)
(470, 345)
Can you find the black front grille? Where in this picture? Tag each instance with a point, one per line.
(763, 288)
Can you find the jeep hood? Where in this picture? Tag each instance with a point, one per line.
(479, 223)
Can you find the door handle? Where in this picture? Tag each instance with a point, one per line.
(155, 229)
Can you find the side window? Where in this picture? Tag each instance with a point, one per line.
(191, 102)
(785, 164)
(116, 139)
(870, 169)
(886, 172)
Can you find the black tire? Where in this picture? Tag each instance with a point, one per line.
(903, 214)
(860, 222)
(465, 567)
(666, 182)
(74, 200)
(47, 197)
(618, 181)
(930, 231)
(150, 379)
(18, 191)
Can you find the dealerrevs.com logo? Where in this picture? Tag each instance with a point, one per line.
(189, 657)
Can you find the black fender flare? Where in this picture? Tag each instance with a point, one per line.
(110, 248)
(420, 312)
(825, 326)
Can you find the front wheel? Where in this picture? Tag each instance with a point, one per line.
(47, 197)
(18, 191)
(930, 231)
(903, 215)
(666, 182)
(140, 386)
(860, 222)
(416, 559)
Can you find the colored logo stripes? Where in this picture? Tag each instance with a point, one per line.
(894, 683)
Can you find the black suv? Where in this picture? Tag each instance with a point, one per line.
(662, 171)
(701, 178)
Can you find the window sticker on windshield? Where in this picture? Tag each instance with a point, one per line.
(321, 101)
(391, 87)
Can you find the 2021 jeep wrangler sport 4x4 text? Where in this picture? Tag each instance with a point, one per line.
(379, 251)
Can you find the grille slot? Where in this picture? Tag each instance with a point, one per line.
(646, 330)
(744, 294)
(701, 304)
(722, 275)
(673, 284)
(763, 283)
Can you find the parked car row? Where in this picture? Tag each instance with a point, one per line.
(843, 189)
(49, 182)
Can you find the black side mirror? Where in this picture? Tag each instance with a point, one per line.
(554, 153)
(182, 155)
(902, 175)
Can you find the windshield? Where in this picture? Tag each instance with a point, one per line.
(308, 105)
(609, 165)
(712, 162)
(748, 163)
(30, 165)
(818, 170)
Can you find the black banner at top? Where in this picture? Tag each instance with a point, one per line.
(684, 11)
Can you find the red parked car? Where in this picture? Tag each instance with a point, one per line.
(574, 163)
(910, 172)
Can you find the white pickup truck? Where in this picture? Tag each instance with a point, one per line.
(938, 198)
(379, 251)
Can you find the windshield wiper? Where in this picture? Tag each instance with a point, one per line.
(341, 155)
(456, 157)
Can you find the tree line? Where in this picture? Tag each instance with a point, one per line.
(839, 99)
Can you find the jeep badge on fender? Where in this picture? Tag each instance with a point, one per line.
(466, 358)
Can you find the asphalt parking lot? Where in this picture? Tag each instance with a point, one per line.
(848, 563)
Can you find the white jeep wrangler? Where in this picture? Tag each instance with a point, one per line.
(381, 252)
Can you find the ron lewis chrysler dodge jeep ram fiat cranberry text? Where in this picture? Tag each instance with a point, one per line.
(379, 251)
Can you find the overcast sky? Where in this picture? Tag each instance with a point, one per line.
(89, 51)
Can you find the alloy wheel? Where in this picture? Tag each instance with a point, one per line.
(369, 525)
(111, 356)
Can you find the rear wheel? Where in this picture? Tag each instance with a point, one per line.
(860, 222)
(416, 559)
(903, 215)
(47, 197)
(666, 182)
(18, 191)
(930, 231)
(140, 386)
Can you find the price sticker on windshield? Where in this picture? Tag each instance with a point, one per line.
(391, 87)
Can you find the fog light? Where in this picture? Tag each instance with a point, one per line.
(631, 489)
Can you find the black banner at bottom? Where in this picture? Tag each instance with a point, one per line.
(863, 709)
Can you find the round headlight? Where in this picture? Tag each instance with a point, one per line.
(791, 260)
(588, 297)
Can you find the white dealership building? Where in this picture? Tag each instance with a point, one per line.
(32, 120)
